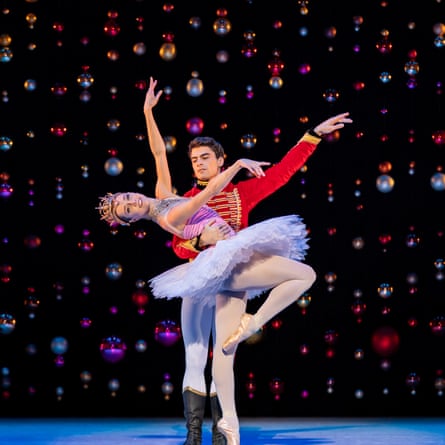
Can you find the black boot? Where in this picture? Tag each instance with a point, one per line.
(215, 408)
(194, 408)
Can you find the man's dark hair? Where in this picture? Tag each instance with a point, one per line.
(205, 141)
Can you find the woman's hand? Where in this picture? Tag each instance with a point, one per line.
(218, 182)
(151, 99)
(254, 167)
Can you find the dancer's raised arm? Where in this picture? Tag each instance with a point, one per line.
(157, 145)
(179, 214)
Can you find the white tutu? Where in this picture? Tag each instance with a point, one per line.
(205, 276)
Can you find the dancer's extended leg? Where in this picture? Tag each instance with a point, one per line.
(288, 280)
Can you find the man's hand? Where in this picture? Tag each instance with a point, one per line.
(332, 124)
(214, 232)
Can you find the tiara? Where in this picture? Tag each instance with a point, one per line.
(107, 210)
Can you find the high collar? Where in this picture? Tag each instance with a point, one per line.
(201, 184)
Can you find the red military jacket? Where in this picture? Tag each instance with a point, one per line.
(236, 201)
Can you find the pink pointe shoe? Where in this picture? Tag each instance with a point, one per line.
(229, 431)
(246, 328)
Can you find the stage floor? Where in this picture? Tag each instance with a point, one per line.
(254, 431)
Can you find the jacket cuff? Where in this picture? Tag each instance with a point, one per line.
(189, 245)
(311, 139)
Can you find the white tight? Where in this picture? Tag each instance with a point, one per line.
(227, 316)
(197, 321)
(288, 279)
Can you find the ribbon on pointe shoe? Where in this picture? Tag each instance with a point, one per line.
(245, 329)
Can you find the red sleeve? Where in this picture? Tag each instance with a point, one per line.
(256, 189)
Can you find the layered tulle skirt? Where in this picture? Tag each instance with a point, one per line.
(210, 271)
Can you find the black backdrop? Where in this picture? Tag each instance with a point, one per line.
(69, 284)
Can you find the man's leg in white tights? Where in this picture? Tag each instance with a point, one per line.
(196, 325)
